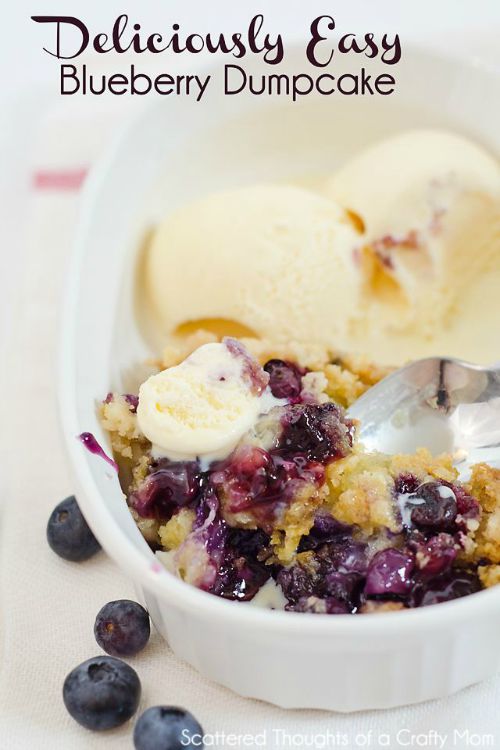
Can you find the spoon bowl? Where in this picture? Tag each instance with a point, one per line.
(445, 405)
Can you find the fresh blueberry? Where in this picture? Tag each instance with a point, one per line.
(102, 693)
(167, 728)
(68, 533)
(122, 628)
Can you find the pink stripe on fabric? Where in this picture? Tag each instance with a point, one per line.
(59, 179)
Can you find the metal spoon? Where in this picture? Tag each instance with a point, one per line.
(445, 405)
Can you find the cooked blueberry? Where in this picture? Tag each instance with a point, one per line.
(434, 555)
(261, 482)
(347, 556)
(335, 570)
(69, 534)
(285, 379)
(453, 584)
(240, 571)
(102, 693)
(239, 579)
(467, 506)
(406, 483)
(132, 401)
(167, 728)
(170, 485)
(248, 543)
(435, 506)
(296, 583)
(389, 573)
(325, 529)
(122, 628)
(320, 432)
(343, 587)
(130, 398)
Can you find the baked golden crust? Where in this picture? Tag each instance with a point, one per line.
(359, 491)
(173, 533)
(362, 486)
(119, 419)
(489, 575)
(484, 485)
(345, 378)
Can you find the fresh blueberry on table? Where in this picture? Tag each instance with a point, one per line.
(122, 628)
(69, 534)
(167, 728)
(102, 693)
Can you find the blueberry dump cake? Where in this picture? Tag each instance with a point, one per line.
(238, 459)
(245, 476)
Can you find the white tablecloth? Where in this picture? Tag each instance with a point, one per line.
(47, 605)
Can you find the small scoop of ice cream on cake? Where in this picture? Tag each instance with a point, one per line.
(276, 260)
(202, 407)
(430, 204)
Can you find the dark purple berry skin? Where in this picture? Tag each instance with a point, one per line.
(325, 529)
(321, 433)
(330, 582)
(406, 484)
(452, 584)
(389, 573)
(437, 511)
(240, 574)
(285, 379)
(438, 553)
(169, 486)
(122, 628)
(296, 583)
(167, 728)
(102, 693)
(69, 534)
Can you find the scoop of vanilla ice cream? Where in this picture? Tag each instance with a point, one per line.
(419, 278)
(202, 407)
(277, 260)
(430, 204)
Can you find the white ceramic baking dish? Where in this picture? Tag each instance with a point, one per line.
(173, 152)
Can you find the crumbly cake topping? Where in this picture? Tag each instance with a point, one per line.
(340, 530)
